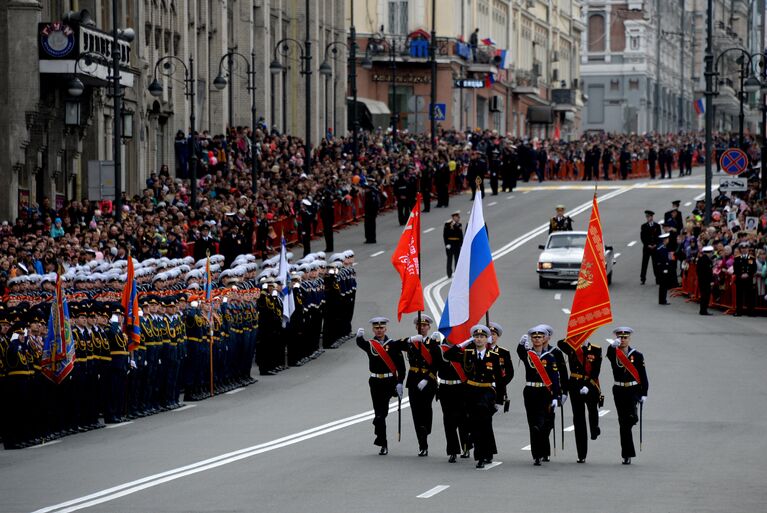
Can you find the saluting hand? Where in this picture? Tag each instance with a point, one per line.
(616, 342)
(415, 338)
(361, 332)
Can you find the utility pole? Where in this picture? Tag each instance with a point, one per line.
(433, 122)
(117, 118)
(353, 86)
(709, 59)
(308, 72)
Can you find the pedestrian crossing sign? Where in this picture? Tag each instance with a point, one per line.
(438, 111)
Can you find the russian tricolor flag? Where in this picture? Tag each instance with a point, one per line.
(504, 58)
(488, 41)
(700, 106)
(475, 285)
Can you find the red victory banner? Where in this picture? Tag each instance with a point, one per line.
(591, 304)
(405, 260)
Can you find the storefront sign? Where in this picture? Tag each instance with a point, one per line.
(468, 83)
(406, 78)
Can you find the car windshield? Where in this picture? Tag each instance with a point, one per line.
(567, 241)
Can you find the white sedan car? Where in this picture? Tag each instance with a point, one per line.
(561, 258)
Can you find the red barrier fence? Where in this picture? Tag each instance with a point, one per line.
(722, 292)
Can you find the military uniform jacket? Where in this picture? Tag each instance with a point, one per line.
(585, 363)
(453, 234)
(744, 264)
(376, 364)
(480, 372)
(445, 369)
(621, 375)
(561, 224)
(649, 234)
(420, 368)
(507, 366)
(551, 363)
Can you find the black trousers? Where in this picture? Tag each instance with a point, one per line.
(452, 398)
(426, 196)
(403, 211)
(452, 258)
(480, 403)
(651, 168)
(370, 228)
(647, 255)
(327, 230)
(540, 419)
(744, 296)
(381, 391)
(421, 408)
(705, 297)
(443, 196)
(494, 183)
(626, 399)
(664, 283)
(581, 404)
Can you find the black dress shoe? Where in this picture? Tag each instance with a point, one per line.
(465, 454)
(451, 459)
(642, 281)
(706, 313)
(595, 433)
(537, 462)
(481, 464)
(384, 451)
(581, 460)
(423, 452)
(627, 461)
(665, 304)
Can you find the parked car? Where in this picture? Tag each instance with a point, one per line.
(561, 258)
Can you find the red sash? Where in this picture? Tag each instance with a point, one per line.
(627, 364)
(379, 348)
(425, 352)
(586, 364)
(536, 361)
(456, 366)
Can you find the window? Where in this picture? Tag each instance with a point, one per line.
(398, 20)
(634, 43)
(634, 84)
(596, 39)
(596, 104)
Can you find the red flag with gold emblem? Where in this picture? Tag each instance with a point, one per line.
(591, 304)
(405, 260)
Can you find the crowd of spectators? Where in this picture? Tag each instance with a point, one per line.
(230, 215)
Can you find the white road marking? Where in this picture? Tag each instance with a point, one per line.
(144, 483)
(687, 204)
(376, 254)
(185, 407)
(510, 197)
(491, 465)
(121, 424)
(617, 255)
(355, 263)
(45, 444)
(492, 204)
(631, 243)
(566, 311)
(434, 491)
(235, 391)
(569, 428)
(557, 297)
(526, 192)
(527, 448)
(602, 413)
(432, 291)
(427, 230)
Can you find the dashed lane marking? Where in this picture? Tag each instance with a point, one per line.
(376, 254)
(617, 255)
(688, 203)
(492, 204)
(631, 243)
(434, 491)
(491, 465)
(566, 311)
(557, 297)
(427, 230)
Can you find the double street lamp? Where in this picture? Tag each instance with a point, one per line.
(156, 89)
(221, 82)
(749, 84)
(376, 44)
(326, 70)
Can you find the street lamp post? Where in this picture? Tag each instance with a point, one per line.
(433, 58)
(326, 70)
(156, 89)
(709, 74)
(221, 81)
(748, 84)
(283, 48)
(353, 85)
(379, 40)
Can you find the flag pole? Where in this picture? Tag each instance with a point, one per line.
(418, 204)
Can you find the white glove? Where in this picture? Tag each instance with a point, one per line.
(528, 345)
(275, 293)
(399, 390)
(465, 343)
(225, 300)
(564, 399)
(133, 364)
(643, 399)
(523, 340)
(616, 342)
(497, 407)
(422, 384)
(584, 390)
(447, 246)
(416, 338)
(159, 361)
(361, 332)
(554, 403)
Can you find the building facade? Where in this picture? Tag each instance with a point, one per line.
(57, 143)
(635, 66)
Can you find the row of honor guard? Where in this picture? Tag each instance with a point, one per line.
(470, 381)
(178, 331)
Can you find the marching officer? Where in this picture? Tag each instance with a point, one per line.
(507, 366)
(452, 397)
(452, 235)
(630, 387)
(649, 234)
(561, 222)
(542, 390)
(585, 363)
(485, 389)
(387, 373)
(421, 380)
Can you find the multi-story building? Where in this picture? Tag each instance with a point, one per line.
(633, 65)
(55, 142)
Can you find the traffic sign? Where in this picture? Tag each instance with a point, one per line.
(733, 184)
(438, 111)
(734, 161)
(469, 83)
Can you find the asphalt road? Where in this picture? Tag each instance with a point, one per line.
(301, 440)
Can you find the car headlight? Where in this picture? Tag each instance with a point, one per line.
(545, 265)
